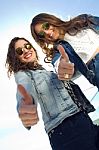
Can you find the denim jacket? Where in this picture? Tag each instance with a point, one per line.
(74, 58)
(56, 104)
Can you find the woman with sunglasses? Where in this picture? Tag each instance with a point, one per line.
(79, 34)
(64, 107)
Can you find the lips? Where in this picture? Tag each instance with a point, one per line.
(28, 55)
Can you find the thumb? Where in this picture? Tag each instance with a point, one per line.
(26, 96)
(63, 53)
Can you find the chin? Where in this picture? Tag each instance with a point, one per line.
(27, 61)
(30, 61)
(55, 40)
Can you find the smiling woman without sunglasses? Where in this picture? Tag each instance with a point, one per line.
(64, 107)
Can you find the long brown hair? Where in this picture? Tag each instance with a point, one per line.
(13, 63)
(71, 27)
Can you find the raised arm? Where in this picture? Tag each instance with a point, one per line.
(26, 100)
(27, 110)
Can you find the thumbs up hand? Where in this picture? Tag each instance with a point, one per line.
(27, 110)
(27, 98)
(63, 53)
(65, 68)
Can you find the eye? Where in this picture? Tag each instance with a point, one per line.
(19, 51)
(41, 34)
(45, 26)
(28, 46)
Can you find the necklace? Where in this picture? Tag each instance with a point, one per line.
(69, 86)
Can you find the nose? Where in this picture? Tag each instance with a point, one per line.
(47, 32)
(25, 50)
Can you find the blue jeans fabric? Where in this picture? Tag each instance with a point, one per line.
(75, 133)
(94, 66)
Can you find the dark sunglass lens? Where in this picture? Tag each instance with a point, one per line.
(41, 34)
(45, 26)
(28, 46)
(19, 51)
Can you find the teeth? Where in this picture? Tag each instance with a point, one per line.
(27, 56)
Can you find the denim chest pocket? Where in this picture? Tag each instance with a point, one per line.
(46, 91)
(53, 96)
(47, 99)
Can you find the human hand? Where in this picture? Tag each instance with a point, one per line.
(65, 68)
(27, 110)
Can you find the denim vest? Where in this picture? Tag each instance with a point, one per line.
(55, 101)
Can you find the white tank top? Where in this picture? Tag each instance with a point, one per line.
(84, 43)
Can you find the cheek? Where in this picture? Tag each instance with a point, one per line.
(21, 58)
(38, 28)
(57, 32)
(34, 55)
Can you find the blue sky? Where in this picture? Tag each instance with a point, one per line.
(15, 11)
(15, 18)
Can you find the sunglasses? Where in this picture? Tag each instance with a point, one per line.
(45, 26)
(20, 50)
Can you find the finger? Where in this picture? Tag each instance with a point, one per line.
(63, 53)
(29, 123)
(30, 109)
(62, 77)
(69, 72)
(27, 116)
(26, 96)
(65, 65)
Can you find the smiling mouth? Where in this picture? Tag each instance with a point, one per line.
(28, 55)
